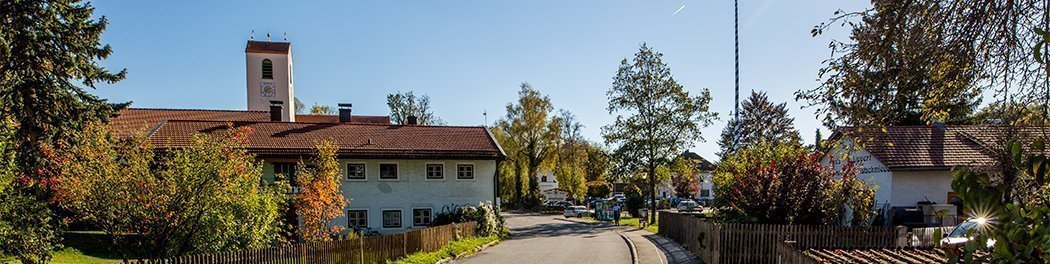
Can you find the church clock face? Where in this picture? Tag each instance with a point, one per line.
(268, 89)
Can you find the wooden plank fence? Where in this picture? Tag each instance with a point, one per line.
(715, 242)
(373, 249)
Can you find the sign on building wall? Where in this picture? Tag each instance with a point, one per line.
(555, 195)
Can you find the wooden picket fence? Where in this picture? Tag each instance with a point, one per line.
(371, 249)
(713, 242)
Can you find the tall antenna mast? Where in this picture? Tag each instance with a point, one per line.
(736, 73)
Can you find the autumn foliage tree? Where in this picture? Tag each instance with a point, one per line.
(684, 177)
(656, 118)
(784, 184)
(319, 200)
(530, 133)
(205, 197)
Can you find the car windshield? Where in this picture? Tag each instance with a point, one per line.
(963, 229)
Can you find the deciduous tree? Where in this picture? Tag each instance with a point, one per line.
(320, 200)
(781, 183)
(571, 166)
(656, 118)
(403, 105)
(685, 177)
(530, 134)
(205, 197)
(317, 109)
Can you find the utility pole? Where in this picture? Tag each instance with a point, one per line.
(736, 74)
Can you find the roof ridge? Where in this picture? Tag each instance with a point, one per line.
(191, 109)
(320, 123)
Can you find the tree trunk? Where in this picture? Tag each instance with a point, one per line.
(652, 195)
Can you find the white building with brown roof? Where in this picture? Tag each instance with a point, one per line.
(395, 177)
(910, 165)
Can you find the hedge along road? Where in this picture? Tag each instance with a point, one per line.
(552, 239)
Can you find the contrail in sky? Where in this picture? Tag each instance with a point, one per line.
(679, 10)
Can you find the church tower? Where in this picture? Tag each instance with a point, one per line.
(270, 77)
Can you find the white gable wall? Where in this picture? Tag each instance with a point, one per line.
(913, 186)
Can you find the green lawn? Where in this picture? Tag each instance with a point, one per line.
(457, 247)
(81, 247)
(631, 221)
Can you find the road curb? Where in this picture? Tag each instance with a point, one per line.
(631, 246)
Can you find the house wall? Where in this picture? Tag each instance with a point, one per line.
(706, 183)
(412, 190)
(872, 171)
(551, 182)
(910, 187)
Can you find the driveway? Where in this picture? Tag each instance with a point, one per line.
(552, 239)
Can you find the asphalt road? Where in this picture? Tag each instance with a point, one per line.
(552, 239)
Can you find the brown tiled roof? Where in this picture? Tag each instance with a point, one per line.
(876, 255)
(268, 47)
(910, 147)
(900, 147)
(702, 163)
(284, 138)
(141, 120)
(385, 120)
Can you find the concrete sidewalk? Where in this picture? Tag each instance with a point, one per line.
(653, 248)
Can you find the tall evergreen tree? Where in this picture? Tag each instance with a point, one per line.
(760, 121)
(656, 118)
(46, 49)
(49, 56)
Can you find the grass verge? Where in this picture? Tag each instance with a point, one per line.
(636, 222)
(457, 247)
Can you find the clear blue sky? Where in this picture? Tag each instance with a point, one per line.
(469, 56)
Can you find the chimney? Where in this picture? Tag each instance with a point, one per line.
(344, 112)
(413, 120)
(275, 110)
(940, 125)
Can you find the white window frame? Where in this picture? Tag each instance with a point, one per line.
(346, 173)
(356, 209)
(473, 171)
(401, 218)
(426, 170)
(397, 171)
(414, 216)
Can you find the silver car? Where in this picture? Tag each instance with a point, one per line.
(577, 211)
(688, 206)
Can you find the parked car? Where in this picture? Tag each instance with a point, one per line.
(577, 211)
(961, 234)
(688, 206)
